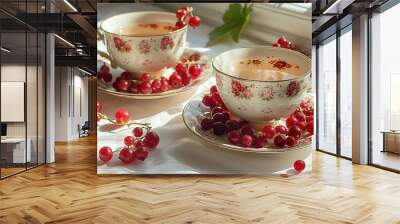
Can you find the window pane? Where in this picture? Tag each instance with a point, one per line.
(327, 96)
(346, 93)
(385, 88)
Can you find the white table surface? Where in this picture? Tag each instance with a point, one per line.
(179, 152)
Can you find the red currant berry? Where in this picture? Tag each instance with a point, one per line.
(126, 155)
(247, 130)
(299, 165)
(155, 85)
(138, 144)
(310, 127)
(180, 69)
(141, 153)
(122, 116)
(299, 115)
(302, 125)
(186, 79)
(164, 85)
(122, 85)
(259, 142)
(280, 140)
(151, 140)
(213, 90)
(145, 77)
(218, 128)
(133, 88)
(180, 24)
(129, 140)
(181, 13)
(175, 80)
(217, 98)
(206, 123)
(280, 129)
(195, 71)
(194, 21)
(208, 101)
(137, 132)
(310, 118)
(220, 117)
(104, 68)
(308, 111)
(231, 125)
(105, 154)
(234, 137)
(216, 110)
(269, 131)
(304, 104)
(246, 140)
(145, 88)
(107, 77)
(290, 121)
(283, 42)
(295, 132)
(291, 141)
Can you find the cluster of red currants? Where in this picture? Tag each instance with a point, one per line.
(185, 16)
(185, 73)
(136, 145)
(300, 123)
(284, 43)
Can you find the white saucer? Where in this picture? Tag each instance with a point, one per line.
(107, 88)
(192, 114)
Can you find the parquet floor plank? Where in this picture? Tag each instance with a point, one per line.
(70, 191)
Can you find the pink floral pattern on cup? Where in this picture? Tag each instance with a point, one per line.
(166, 43)
(268, 93)
(121, 45)
(241, 90)
(293, 88)
(144, 46)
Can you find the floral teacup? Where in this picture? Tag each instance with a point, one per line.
(143, 53)
(257, 101)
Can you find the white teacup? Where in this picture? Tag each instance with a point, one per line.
(143, 53)
(259, 101)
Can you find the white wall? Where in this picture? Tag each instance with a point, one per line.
(70, 83)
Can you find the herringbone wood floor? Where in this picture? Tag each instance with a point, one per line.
(69, 191)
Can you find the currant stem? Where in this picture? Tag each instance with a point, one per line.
(146, 125)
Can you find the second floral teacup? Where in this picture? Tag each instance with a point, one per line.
(262, 84)
(144, 41)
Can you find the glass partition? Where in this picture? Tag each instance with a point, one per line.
(22, 77)
(326, 101)
(385, 89)
(346, 94)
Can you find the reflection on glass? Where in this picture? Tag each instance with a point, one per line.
(346, 94)
(327, 96)
(385, 88)
(13, 84)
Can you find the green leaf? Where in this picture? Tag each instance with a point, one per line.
(235, 19)
(234, 12)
